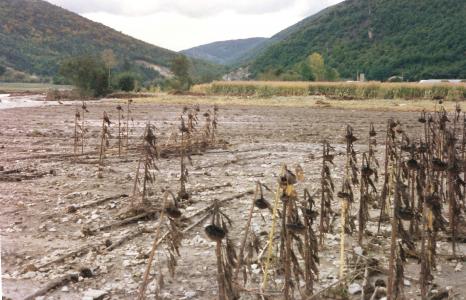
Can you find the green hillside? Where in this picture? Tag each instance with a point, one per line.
(36, 35)
(418, 39)
(247, 49)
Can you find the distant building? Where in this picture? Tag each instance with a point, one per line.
(430, 81)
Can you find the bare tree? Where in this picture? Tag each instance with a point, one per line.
(110, 61)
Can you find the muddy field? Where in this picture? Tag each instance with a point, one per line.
(36, 145)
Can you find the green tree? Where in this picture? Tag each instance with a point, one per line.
(331, 74)
(305, 72)
(87, 73)
(126, 82)
(2, 70)
(317, 66)
(180, 69)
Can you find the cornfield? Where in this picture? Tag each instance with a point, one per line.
(337, 90)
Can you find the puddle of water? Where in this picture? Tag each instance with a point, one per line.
(8, 101)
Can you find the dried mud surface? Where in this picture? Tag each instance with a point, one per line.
(35, 227)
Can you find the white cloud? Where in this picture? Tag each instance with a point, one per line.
(193, 8)
(181, 24)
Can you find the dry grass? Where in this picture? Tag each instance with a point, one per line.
(303, 101)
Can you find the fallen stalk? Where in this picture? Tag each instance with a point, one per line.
(235, 151)
(53, 284)
(353, 274)
(100, 201)
(210, 188)
(76, 252)
(237, 196)
(15, 177)
(126, 238)
(233, 161)
(123, 222)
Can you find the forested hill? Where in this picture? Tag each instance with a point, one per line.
(36, 35)
(381, 38)
(224, 52)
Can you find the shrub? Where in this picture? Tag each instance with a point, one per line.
(126, 82)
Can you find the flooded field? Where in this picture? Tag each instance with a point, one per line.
(63, 214)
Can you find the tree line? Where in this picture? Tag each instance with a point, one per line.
(313, 68)
(99, 75)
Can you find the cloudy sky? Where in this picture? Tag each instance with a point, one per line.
(181, 24)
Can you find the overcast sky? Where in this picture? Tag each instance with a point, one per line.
(182, 24)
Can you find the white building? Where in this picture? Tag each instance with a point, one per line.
(442, 81)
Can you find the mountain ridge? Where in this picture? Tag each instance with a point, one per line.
(225, 52)
(36, 35)
(381, 38)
